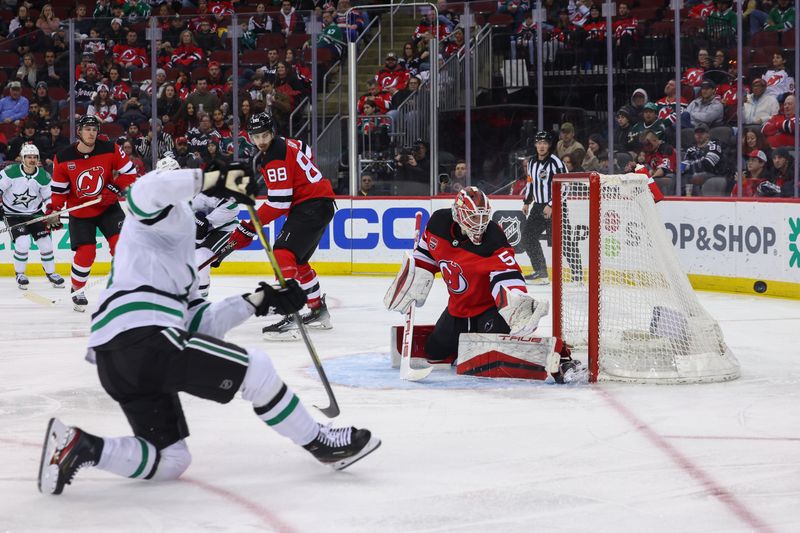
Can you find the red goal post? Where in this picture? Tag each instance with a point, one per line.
(619, 291)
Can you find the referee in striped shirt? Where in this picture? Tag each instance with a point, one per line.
(537, 204)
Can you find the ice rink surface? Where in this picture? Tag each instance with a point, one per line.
(459, 454)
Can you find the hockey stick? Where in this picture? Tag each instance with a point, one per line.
(51, 215)
(406, 372)
(332, 410)
(44, 300)
(224, 252)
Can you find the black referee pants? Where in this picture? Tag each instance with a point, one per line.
(535, 225)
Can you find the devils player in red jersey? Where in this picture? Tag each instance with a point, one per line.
(82, 172)
(485, 283)
(295, 188)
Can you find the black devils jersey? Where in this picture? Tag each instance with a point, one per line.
(474, 274)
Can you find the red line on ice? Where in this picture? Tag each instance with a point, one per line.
(721, 437)
(711, 486)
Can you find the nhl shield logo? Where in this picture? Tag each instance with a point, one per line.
(512, 228)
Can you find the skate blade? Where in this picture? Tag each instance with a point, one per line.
(373, 444)
(58, 285)
(538, 281)
(48, 473)
(22, 287)
(319, 325)
(282, 336)
(79, 308)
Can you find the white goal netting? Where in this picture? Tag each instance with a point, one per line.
(651, 325)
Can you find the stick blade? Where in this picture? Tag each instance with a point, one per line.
(39, 299)
(332, 411)
(413, 374)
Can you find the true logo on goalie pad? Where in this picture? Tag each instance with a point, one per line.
(507, 356)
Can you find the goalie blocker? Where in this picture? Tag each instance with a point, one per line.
(494, 355)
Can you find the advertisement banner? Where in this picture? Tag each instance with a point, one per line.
(727, 245)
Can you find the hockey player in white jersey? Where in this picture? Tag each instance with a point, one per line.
(25, 188)
(215, 219)
(152, 336)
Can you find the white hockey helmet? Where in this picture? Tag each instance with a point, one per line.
(29, 149)
(167, 163)
(471, 210)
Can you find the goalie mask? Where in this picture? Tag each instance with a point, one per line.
(472, 212)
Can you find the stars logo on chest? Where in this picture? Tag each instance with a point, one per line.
(23, 199)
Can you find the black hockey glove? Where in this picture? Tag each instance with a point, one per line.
(203, 227)
(285, 301)
(230, 181)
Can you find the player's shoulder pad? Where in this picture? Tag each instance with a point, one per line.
(68, 153)
(42, 177)
(104, 147)
(440, 223)
(276, 151)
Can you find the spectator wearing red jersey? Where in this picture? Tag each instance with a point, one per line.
(430, 25)
(756, 173)
(524, 39)
(118, 87)
(129, 54)
(579, 11)
(454, 43)
(660, 160)
(701, 10)
(595, 40)
(779, 130)
(187, 53)
(223, 8)
(380, 98)
(694, 76)
(626, 34)
(392, 75)
(563, 35)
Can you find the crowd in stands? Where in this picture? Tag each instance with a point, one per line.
(194, 83)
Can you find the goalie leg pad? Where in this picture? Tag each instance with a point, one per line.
(412, 284)
(507, 356)
(421, 334)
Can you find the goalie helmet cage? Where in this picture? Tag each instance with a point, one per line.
(619, 290)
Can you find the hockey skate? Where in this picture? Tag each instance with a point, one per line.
(286, 329)
(65, 451)
(537, 279)
(341, 447)
(56, 280)
(571, 371)
(79, 301)
(22, 281)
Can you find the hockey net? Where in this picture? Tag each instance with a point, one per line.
(619, 291)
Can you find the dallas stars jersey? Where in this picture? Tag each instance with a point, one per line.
(24, 194)
(475, 275)
(153, 279)
(79, 178)
(290, 176)
(222, 214)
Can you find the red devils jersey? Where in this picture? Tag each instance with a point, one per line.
(474, 274)
(79, 178)
(291, 177)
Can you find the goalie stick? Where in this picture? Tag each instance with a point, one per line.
(406, 372)
(332, 411)
(51, 215)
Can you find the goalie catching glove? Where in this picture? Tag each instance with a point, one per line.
(412, 284)
(522, 312)
(230, 181)
(282, 300)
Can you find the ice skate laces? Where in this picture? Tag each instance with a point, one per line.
(334, 437)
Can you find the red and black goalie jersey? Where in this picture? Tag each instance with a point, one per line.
(79, 178)
(474, 274)
(291, 177)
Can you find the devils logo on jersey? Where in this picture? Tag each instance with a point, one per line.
(453, 276)
(90, 182)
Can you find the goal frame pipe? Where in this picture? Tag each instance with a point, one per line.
(593, 266)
